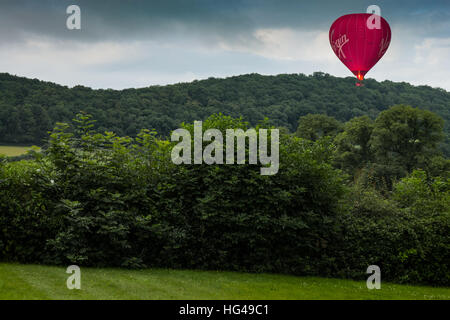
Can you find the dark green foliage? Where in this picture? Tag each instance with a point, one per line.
(119, 212)
(353, 144)
(102, 200)
(29, 108)
(406, 137)
(427, 200)
(233, 217)
(27, 211)
(407, 240)
(316, 126)
(400, 140)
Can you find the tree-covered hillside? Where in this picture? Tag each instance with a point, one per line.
(30, 108)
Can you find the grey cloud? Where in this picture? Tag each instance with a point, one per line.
(210, 20)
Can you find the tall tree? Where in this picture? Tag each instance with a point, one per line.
(406, 137)
(353, 148)
(316, 126)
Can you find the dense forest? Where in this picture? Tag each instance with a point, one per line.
(30, 108)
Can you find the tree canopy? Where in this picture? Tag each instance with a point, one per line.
(30, 108)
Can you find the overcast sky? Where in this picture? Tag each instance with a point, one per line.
(136, 43)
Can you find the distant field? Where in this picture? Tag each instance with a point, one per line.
(44, 282)
(12, 151)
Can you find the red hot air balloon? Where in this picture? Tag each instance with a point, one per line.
(358, 42)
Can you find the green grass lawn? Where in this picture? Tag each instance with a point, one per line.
(12, 151)
(44, 282)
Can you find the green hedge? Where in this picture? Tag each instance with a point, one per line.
(100, 200)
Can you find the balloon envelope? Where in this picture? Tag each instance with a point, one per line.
(359, 41)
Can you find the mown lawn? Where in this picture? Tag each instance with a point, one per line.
(44, 282)
(12, 151)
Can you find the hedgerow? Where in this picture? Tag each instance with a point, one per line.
(100, 200)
